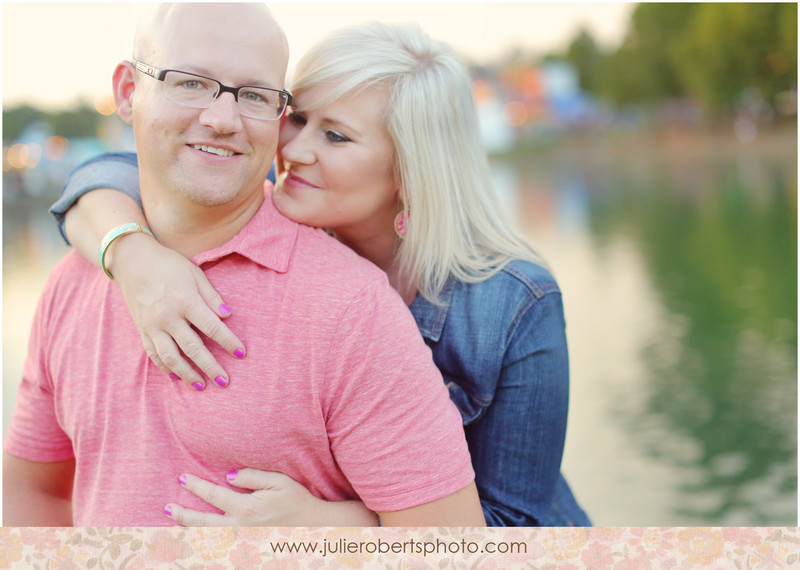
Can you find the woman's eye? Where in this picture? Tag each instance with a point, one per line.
(335, 137)
(296, 119)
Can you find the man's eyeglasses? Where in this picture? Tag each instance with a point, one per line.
(200, 92)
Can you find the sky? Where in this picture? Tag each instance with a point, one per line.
(57, 53)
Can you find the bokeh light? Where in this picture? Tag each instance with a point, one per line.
(515, 113)
(24, 155)
(55, 148)
(483, 91)
(104, 104)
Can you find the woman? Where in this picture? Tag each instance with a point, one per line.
(382, 149)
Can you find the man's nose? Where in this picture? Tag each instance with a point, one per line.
(223, 114)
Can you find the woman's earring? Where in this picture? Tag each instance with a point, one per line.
(401, 224)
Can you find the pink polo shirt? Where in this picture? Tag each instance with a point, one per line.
(338, 390)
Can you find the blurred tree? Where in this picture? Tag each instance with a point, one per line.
(16, 120)
(645, 62)
(787, 42)
(82, 121)
(619, 82)
(726, 55)
(584, 54)
(730, 47)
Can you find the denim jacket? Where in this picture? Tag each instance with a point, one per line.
(501, 347)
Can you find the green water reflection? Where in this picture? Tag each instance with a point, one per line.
(727, 265)
(717, 240)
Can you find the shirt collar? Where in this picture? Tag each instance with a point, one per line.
(430, 318)
(268, 239)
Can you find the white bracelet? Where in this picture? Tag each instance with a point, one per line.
(118, 232)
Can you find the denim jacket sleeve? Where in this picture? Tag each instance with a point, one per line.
(117, 170)
(501, 346)
(521, 434)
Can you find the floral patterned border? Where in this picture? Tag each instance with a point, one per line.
(289, 548)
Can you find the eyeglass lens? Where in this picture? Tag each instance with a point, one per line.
(195, 91)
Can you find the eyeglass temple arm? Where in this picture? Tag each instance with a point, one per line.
(151, 71)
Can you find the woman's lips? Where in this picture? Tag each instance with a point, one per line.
(298, 182)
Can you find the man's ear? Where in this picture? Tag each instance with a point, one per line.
(124, 87)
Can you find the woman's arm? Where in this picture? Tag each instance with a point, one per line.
(276, 500)
(165, 292)
(95, 214)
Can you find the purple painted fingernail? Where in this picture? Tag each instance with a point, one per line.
(174, 376)
(232, 476)
(238, 353)
(198, 386)
(168, 511)
(221, 380)
(182, 480)
(224, 310)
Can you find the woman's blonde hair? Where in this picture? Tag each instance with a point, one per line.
(455, 225)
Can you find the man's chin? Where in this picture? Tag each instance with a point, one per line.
(210, 197)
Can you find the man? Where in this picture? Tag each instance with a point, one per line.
(100, 435)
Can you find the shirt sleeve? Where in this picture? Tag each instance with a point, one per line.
(34, 432)
(117, 170)
(392, 427)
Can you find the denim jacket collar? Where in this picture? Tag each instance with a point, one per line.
(430, 318)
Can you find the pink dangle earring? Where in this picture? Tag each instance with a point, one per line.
(401, 224)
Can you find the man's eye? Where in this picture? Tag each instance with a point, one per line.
(252, 97)
(192, 84)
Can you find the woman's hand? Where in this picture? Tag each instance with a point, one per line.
(276, 500)
(167, 294)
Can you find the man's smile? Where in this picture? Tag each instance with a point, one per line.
(214, 150)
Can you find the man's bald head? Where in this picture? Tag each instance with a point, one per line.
(156, 29)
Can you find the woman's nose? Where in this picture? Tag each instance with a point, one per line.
(294, 145)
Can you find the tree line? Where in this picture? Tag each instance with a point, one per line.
(82, 121)
(725, 56)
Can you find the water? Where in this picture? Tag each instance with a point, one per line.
(679, 274)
